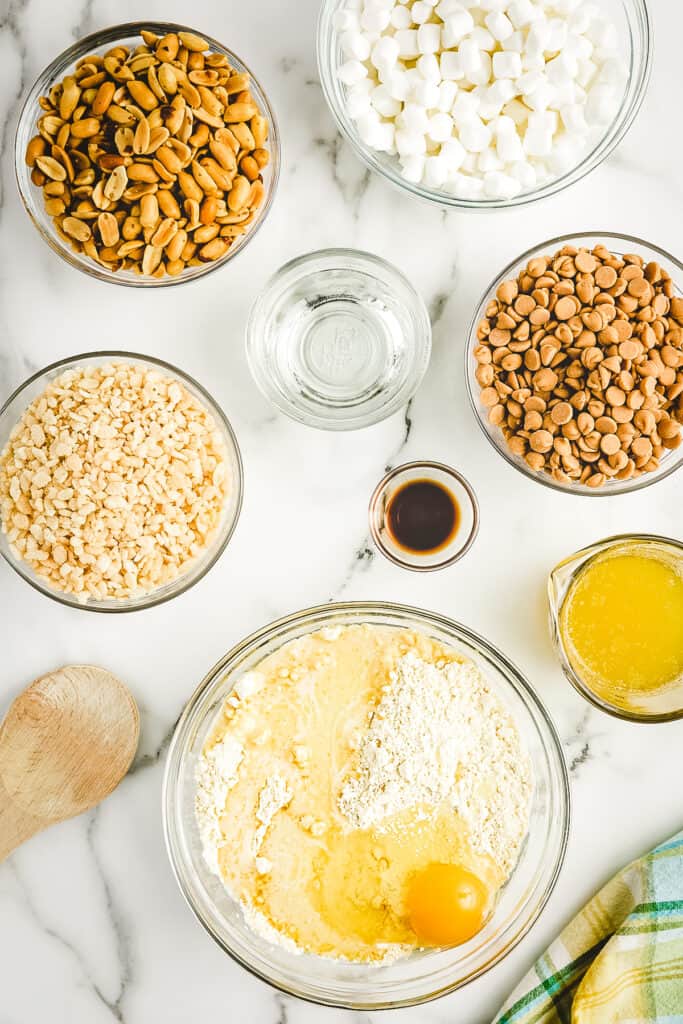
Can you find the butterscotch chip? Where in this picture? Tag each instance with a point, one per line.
(489, 397)
(605, 277)
(585, 262)
(566, 308)
(609, 444)
(630, 349)
(561, 413)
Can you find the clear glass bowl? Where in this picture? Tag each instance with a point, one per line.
(32, 197)
(666, 706)
(12, 411)
(338, 339)
(467, 507)
(635, 32)
(424, 975)
(617, 244)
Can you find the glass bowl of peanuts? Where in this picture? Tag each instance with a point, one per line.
(574, 363)
(120, 481)
(147, 155)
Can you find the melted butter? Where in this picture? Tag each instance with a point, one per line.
(622, 623)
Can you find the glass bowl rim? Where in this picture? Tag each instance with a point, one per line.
(640, 483)
(447, 471)
(145, 601)
(363, 257)
(618, 128)
(586, 555)
(547, 732)
(69, 56)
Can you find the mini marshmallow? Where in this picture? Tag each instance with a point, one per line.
(557, 35)
(425, 94)
(435, 172)
(414, 118)
(447, 94)
(611, 72)
(399, 85)
(344, 19)
(384, 103)
(537, 39)
(483, 38)
(465, 186)
(351, 71)
(541, 97)
(566, 153)
(355, 45)
(562, 69)
(465, 107)
(522, 12)
(489, 161)
(383, 137)
(482, 74)
(470, 57)
(490, 5)
(533, 61)
(499, 25)
(524, 173)
(517, 111)
(509, 146)
(385, 52)
(400, 18)
(407, 43)
(498, 185)
(537, 141)
(475, 135)
(502, 91)
(469, 164)
(454, 153)
(367, 125)
(429, 68)
(429, 38)
(357, 103)
(410, 143)
(507, 65)
(440, 127)
(374, 19)
(455, 27)
(514, 43)
(420, 12)
(451, 66)
(447, 7)
(581, 20)
(600, 105)
(412, 167)
(587, 72)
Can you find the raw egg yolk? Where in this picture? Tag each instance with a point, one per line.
(446, 904)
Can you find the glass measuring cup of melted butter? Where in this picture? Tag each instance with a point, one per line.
(616, 617)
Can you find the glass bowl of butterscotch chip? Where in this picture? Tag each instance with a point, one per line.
(147, 154)
(574, 363)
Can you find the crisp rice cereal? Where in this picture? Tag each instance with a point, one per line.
(113, 482)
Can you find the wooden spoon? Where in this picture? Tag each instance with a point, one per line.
(66, 743)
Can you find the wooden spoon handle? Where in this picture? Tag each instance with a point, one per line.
(16, 826)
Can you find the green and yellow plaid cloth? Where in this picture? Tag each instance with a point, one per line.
(620, 961)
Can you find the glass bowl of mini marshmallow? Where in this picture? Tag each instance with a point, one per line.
(481, 104)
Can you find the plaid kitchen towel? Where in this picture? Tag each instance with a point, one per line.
(620, 961)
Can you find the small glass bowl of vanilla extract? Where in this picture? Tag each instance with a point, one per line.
(424, 516)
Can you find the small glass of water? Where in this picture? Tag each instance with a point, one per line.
(338, 339)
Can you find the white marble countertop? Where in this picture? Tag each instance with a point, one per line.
(92, 926)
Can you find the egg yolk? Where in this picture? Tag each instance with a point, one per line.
(446, 904)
